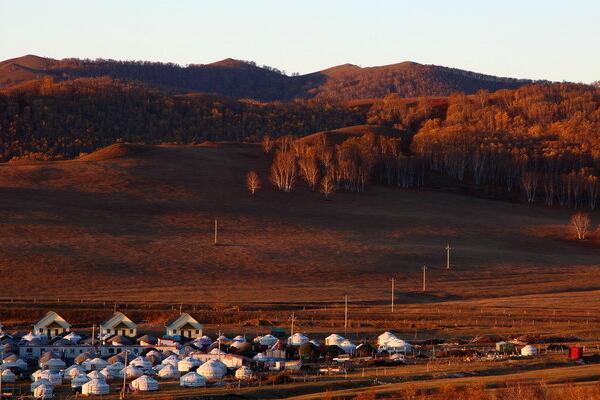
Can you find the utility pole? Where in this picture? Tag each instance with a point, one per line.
(393, 279)
(124, 377)
(448, 256)
(424, 278)
(93, 335)
(216, 232)
(293, 318)
(346, 315)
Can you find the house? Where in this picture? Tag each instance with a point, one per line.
(118, 324)
(51, 325)
(184, 325)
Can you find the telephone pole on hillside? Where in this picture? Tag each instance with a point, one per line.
(345, 315)
(216, 232)
(424, 278)
(448, 256)
(393, 295)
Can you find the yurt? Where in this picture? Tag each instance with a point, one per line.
(116, 359)
(202, 342)
(147, 340)
(73, 371)
(29, 337)
(187, 364)
(144, 384)
(36, 376)
(154, 358)
(82, 357)
(529, 350)
(95, 374)
(155, 353)
(237, 344)
(348, 346)
(9, 358)
(169, 372)
(268, 340)
(94, 364)
(95, 387)
(43, 392)
(54, 364)
(141, 362)
(40, 382)
(21, 364)
(79, 381)
(212, 370)
(385, 337)
(333, 339)
(192, 379)
(297, 339)
(131, 372)
(114, 369)
(8, 376)
(73, 337)
(216, 351)
(395, 345)
(158, 367)
(243, 373)
(171, 360)
(260, 357)
(54, 377)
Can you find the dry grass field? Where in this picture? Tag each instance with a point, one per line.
(136, 222)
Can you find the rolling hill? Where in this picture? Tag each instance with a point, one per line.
(242, 79)
(135, 222)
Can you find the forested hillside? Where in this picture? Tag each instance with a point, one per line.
(45, 119)
(244, 79)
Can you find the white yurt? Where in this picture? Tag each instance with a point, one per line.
(54, 364)
(94, 364)
(158, 367)
(144, 384)
(267, 340)
(95, 387)
(385, 337)
(54, 377)
(95, 374)
(395, 345)
(243, 373)
(35, 376)
(236, 344)
(22, 365)
(8, 376)
(192, 379)
(154, 353)
(169, 372)
(141, 362)
(131, 372)
(171, 360)
(203, 341)
(29, 337)
(212, 369)
(347, 346)
(529, 350)
(333, 339)
(40, 382)
(73, 337)
(297, 339)
(43, 392)
(216, 351)
(73, 371)
(79, 381)
(115, 368)
(260, 357)
(187, 364)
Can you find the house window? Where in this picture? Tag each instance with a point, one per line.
(111, 351)
(30, 351)
(197, 331)
(131, 331)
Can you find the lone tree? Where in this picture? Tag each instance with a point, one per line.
(267, 143)
(581, 224)
(252, 182)
(327, 186)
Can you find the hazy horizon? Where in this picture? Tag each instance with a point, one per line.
(537, 40)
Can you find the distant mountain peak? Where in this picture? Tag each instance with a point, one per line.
(232, 63)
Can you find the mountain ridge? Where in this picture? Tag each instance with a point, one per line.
(244, 79)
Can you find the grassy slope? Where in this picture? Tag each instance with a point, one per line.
(139, 226)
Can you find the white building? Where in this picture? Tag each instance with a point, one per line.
(184, 325)
(51, 325)
(118, 324)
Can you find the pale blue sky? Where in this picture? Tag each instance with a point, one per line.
(551, 39)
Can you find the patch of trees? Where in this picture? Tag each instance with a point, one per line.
(541, 140)
(51, 120)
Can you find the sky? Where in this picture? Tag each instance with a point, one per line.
(551, 39)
